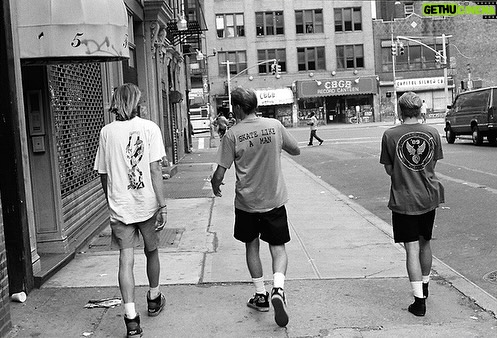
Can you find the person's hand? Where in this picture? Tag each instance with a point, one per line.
(161, 218)
(216, 188)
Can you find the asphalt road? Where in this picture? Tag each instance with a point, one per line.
(465, 235)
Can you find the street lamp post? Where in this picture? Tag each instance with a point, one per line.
(395, 110)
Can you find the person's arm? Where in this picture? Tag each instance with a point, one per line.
(290, 144)
(156, 176)
(217, 180)
(103, 181)
(389, 169)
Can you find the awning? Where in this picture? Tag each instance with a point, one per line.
(56, 31)
(273, 97)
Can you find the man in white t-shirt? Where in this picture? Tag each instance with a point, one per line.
(313, 123)
(128, 161)
(254, 144)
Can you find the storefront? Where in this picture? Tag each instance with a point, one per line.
(344, 100)
(276, 103)
(431, 90)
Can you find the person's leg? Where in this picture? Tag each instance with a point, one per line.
(426, 259)
(260, 300)
(153, 268)
(278, 298)
(311, 137)
(413, 264)
(127, 281)
(253, 259)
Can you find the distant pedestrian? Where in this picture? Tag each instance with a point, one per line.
(254, 144)
(128, 161)
(423, 112)
(409, 153)
(313, 123)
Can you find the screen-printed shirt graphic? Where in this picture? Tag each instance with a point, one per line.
(415, 150)
(134, 154)
(412, 151)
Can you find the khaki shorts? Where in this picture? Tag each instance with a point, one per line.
(125, 236)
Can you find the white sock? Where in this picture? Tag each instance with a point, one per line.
(279, 280)
(417, 289)
(153, 292)
(426, 279)
(260, 288)
(129, 310)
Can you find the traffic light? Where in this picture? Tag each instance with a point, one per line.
(278, 69)
(443, 59)
(273, 68)
(401, 48)
(438, 57)
(394, 49)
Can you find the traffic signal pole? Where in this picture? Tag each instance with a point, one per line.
(394, 54)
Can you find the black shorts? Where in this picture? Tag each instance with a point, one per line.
(272, 226)
(408, 228)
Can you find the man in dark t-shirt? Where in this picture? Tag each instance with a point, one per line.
(409, 153)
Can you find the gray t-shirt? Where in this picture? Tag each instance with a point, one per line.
(254, 145)
(412, 150)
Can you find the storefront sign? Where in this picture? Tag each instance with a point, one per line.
(273, 97)
(423, 83)
(336, 87)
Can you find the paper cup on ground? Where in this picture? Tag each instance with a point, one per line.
(19, 297)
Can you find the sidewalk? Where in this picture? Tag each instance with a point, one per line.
(346, 277)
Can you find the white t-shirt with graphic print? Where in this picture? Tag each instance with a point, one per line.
(125, 151)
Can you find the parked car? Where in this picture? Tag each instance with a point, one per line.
(473, 113)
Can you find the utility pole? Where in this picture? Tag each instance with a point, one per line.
(395, 110)
(446, 85)
(227, 63)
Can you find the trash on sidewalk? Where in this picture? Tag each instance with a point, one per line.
(105, 302)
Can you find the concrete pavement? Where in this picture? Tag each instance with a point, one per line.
(346, 277)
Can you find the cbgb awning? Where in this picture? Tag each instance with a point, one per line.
(72, 30)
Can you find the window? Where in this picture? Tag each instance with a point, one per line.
(408, 9)
(269, 23)
(350, 56)
(230, 25)
(348, 19)
(268, 54)
(309, 21)
(415, 57)
(311, 58)
(237, 59)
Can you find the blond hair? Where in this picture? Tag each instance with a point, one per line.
(410, 104)
(125, 101)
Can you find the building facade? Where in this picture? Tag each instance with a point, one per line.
(54, 103)
(322, 52)
(417, 40)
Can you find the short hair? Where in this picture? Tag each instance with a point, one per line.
(245, 98)
(125, 101)
(410, 104)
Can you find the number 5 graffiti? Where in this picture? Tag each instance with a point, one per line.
(76, 42)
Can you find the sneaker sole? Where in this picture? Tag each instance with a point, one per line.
(280, 315)
(260, 309)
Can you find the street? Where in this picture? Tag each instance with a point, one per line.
(464, 236)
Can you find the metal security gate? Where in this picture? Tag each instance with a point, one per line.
(76, 100)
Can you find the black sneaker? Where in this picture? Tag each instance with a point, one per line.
(321, 142)
(259, 302)
(309, 145)
(278, 300)
(133, 328)
(418, 308)
(425, 290)
(156, 305)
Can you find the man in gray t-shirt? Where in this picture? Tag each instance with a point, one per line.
(409, 153)
(254, 145)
